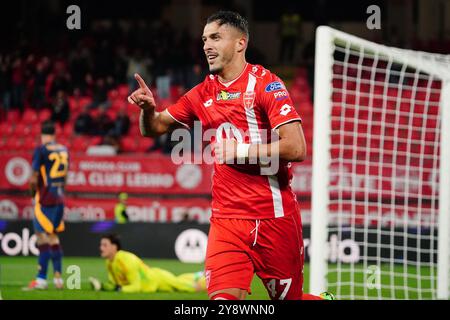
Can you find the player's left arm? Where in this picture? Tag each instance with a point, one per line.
(291, 145)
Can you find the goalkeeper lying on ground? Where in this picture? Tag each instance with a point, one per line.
(128, 273)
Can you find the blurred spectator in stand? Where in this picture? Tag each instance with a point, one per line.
(61, 80)
(100, 95)
(194, 76)
(5, 84)
(163, 85)
(40, 79)
(289, 29)
(60, 108)
(79, 67)
(84, 122)
(137, 64)
(308, 60)
(18, 84)
(122, 123)
(112, 140)
(162, 143)
(103, 124)
(120, 65)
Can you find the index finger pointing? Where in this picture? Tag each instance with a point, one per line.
(141, 81)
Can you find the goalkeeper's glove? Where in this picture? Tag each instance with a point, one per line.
(95, 284)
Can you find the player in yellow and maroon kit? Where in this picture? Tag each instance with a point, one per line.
(50, 165)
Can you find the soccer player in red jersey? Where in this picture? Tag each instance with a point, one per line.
(255, 224)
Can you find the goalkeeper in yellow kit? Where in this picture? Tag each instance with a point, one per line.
(128, 273)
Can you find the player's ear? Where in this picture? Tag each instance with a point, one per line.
(241, 44)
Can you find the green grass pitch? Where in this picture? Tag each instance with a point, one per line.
(16, 272)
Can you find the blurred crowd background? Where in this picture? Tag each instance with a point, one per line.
(80, 78)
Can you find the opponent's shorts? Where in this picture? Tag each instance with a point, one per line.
(271, 248)
(48, 219)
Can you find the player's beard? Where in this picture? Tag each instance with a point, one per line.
(217, 67)
(215, 70)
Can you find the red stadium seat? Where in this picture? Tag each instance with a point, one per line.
(134, 131)
(3, 146)
(111, 114)
(118, 104)
(94, 141)
(67, 129)
(30, 116)
(35, 130)
(29, 143)
(79, 144)
(144, 143)
(63, 140)
(22, 129)
(6, 129)
(44, 114)
(13, 116)
(122, 90)
(112, 94)
(128, 144)
(13, 144)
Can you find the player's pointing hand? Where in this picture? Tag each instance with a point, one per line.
(142, 97)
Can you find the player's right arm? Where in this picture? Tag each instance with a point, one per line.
(151, 123)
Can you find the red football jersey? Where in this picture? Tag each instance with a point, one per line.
(250, 107)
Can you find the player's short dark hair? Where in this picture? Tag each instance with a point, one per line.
(47, 127)
(230, 18)
(114, 239)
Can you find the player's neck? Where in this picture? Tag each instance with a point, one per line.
(232, 71)
(111, 258)
(47, 139)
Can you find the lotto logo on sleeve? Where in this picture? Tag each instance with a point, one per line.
(285, 109)
(274, 86)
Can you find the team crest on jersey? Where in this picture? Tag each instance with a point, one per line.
(249, 98)
(225, 95)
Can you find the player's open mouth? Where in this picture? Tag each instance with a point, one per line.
(211, 57)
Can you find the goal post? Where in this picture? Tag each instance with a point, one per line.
(381, 170)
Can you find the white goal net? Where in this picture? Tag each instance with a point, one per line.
(381, 170)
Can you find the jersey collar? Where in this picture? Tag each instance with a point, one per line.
(229, 83)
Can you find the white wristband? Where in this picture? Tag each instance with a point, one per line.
(242, 150)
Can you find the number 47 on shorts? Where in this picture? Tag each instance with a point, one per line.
(278, 287)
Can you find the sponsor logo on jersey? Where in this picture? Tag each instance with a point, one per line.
(280, 95)
(225, 95)
(274, 86)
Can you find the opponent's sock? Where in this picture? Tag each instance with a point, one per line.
(223, 296)
(44, 257)
(57, 254)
